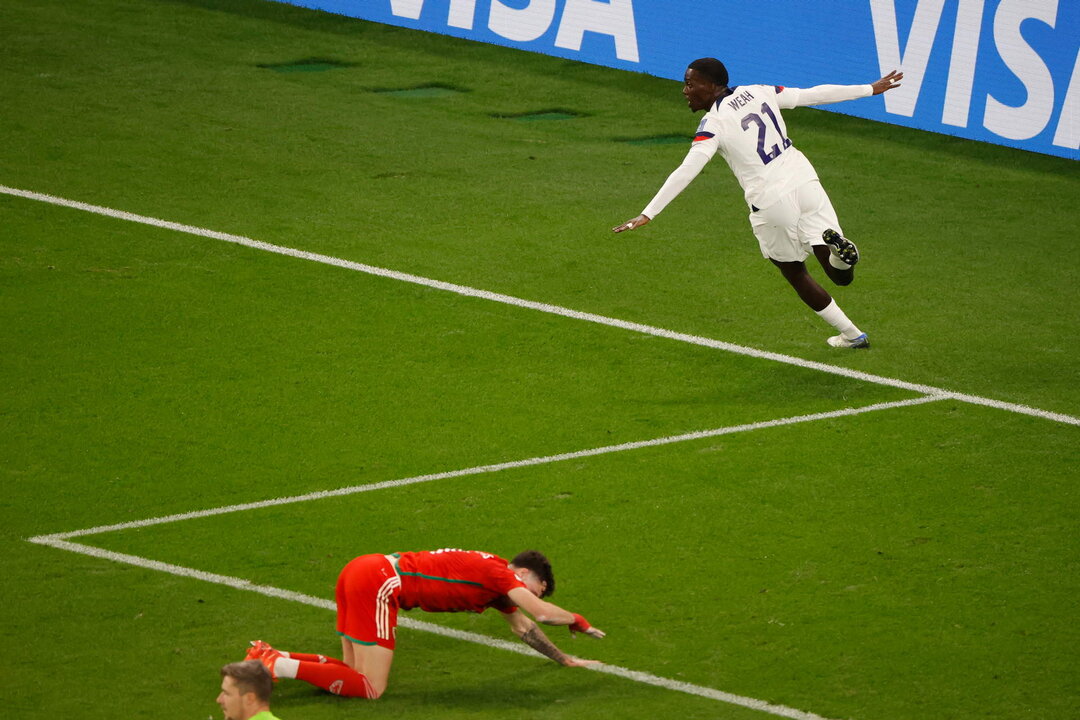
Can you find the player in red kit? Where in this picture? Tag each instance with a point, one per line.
(372, 588)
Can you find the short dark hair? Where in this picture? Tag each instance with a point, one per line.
(250, 676)
(712, 69)
(537, 562)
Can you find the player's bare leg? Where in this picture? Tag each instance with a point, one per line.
(372, 661)
(810, 292)
(840, 276)
(821, 302)
(838, 257)
(347, 654)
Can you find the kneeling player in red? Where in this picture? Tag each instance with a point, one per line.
(372, 588)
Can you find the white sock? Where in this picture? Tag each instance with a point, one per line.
(838, 263)
(286, 667)
(833, 315)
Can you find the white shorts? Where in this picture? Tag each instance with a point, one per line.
(788, 228)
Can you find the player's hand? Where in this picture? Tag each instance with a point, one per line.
(631, 224)
(590, 631)
(595, 632)
(578, 662)
(581, 625)
(888, 82)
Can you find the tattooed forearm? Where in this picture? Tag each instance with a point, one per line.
(538, 641)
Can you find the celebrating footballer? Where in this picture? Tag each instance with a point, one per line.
(790, 213)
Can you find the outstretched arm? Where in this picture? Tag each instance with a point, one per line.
(790, 97)
(550, 613)
(531, 634)
(695, 160)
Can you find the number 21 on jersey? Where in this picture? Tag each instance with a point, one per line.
(767, 156)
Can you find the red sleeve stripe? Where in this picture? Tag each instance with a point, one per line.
(703, 136)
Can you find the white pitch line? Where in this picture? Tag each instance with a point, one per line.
(420, 625)
(61, 541)
(538, 306)
(528, 462)
(1012, 407)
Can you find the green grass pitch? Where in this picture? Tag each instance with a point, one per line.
(912, 562)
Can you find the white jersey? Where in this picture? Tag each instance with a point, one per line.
(748, 131)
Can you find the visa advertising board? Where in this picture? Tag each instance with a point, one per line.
(998, 71)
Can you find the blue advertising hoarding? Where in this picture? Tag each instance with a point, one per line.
(998, 71)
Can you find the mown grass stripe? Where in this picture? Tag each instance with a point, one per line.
(543, 307)
(481, 469)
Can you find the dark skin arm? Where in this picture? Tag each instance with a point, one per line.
(888, 82)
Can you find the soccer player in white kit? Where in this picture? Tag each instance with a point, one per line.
(789, 211)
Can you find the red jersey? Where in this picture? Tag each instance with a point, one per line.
(455, 581)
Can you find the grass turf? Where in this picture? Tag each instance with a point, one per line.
(146, 372)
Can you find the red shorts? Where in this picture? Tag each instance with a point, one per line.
(367, 606)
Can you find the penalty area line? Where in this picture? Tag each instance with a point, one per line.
(421, 626)
(538, 306)
(498, 467)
